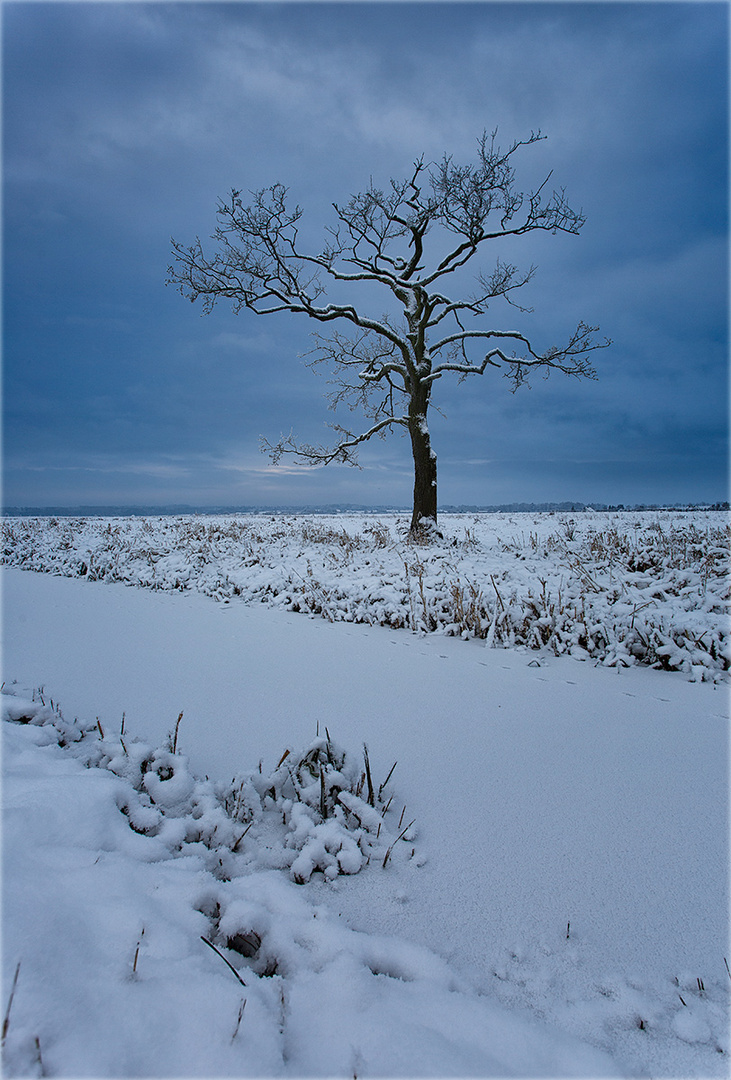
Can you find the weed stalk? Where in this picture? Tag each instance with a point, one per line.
(226, 962)
(175, 737)
(6, 1021)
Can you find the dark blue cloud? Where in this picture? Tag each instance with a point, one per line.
(123, 123)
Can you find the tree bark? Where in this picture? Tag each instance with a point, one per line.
(425, 473)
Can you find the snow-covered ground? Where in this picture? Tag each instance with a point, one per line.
(623, 587)
(559, 907)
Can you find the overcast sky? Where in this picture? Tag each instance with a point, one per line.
(123, 125)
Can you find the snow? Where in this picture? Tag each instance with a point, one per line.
(558, 908)
(623, 588)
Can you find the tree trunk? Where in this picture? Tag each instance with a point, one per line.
(425, 473)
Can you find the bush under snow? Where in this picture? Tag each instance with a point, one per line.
(317, 811)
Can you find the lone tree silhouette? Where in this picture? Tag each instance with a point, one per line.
(386, 366)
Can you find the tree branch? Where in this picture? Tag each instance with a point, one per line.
(571, 359)
(321, 455)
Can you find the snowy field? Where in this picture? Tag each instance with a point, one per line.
(559, 906)
(626, 587)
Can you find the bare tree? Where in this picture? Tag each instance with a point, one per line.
(386, 366)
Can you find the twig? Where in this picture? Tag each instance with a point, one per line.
(137, 952)
(236, 845)
(38, 1056)
(635, 609)
(238, 1022)
(497, 593)
(175, 738)
(6, 1021)
(226, 962)
(371, 798)
(380, 790)
(295, 784)
(393, 845)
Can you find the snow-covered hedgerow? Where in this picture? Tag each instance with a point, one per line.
(620, 588)
(317, 811)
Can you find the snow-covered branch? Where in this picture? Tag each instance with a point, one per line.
(572, 359)
(342, 452)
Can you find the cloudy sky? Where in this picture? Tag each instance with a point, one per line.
(124, 123)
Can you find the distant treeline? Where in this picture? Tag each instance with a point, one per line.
(342, 508)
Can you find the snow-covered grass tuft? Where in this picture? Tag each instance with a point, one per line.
(619, 588)
(317, 811)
